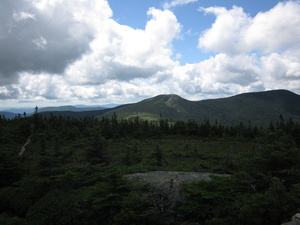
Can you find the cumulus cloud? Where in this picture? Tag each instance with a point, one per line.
(217, 76)
(225, 35)
(176, 3)
(270, 38)
(44, 36)
(9, 92)
(74, 51)
(120, 52)
(74, 46)
(282, 70)
(236, 32)
(242, 69)
(42, 87)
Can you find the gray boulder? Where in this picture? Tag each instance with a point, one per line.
(295, 220)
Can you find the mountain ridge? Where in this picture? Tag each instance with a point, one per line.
(259, 108)
(71, 108)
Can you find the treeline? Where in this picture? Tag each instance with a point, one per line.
(136, 127)
(113, 127)
(72, 171)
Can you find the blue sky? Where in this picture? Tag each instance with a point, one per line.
(190, 16)
(99, 52)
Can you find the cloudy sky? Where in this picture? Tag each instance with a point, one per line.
(59, 52)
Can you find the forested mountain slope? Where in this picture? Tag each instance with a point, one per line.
(259, 108)
(62, 170)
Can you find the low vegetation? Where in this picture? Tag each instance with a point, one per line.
(75, 171)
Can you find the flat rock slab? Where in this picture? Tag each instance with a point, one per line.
(174, 178)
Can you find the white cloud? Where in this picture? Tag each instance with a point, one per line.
(8, 92)
(176, 3)
(226, 33)
(48, 36)
(275, 30)
(281, 71)
(40, 43)
(236, 32)
(18, 16)
(117, 55)
(74, 51)
(43, 86)
(120, 52)
(274, 36)
(241, 69)
(217, 76)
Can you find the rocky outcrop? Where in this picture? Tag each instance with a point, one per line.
(295, 220)
(23, 147)
(164, 179)
(163, 194)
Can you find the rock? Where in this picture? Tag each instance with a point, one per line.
(164, 195)
(165, 179)
(295, 220)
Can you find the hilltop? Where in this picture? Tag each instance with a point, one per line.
(258, 107)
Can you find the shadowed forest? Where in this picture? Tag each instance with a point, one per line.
(72, 171)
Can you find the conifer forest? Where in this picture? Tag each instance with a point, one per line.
(67, 171)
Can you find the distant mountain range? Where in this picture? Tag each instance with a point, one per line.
(8, 115)
(71, 108)
(259, 108)
(13, 112)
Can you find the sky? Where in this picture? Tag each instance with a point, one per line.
(95, 52)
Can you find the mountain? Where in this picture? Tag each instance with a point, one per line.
(112, 105)
(71, 108)
(167, 106)
(8, 115)
(258, 107)
(18, 110)
(73, 114)
(12, 112)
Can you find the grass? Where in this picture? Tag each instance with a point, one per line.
(142, 115)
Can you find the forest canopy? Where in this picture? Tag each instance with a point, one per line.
(71, 171)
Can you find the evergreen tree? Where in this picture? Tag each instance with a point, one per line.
(97, 150)
(158, 155)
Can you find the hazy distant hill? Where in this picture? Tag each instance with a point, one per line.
(257, 107)
(72, 114)
(18, 110)
(8, 115)
(71, 108)
(12, 112)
